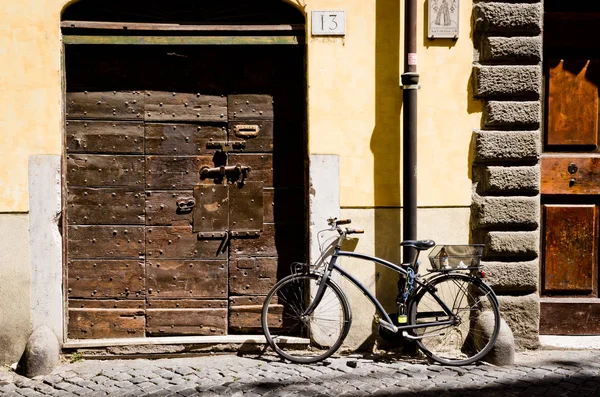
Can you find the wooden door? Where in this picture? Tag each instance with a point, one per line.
(134, 267)
(182, 209)
(570, 186)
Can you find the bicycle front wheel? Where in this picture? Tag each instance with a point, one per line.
(477, 320)
(305, 337)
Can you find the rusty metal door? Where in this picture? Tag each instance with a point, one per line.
(170, 211)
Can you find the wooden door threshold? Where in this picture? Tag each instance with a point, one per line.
(176, 340)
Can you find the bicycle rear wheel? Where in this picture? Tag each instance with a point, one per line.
(478, 319)
(323, 330)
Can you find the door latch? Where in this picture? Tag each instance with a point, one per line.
(224, 242)
(232, 172)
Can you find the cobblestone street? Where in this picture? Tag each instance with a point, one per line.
(539, 373)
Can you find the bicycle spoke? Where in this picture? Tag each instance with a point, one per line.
(325, 326)
(463, 342)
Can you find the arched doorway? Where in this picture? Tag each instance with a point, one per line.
(184, 164)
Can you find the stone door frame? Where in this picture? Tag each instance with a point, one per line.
(45, 183)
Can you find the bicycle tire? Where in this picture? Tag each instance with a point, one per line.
(470, 339)
(326, 328)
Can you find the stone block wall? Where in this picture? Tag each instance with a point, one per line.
(505, 213)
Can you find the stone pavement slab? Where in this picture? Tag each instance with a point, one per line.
(535, 373)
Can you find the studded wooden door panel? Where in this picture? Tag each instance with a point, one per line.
(132, 159)
(181, 211)
(257, 260)
(186, 276)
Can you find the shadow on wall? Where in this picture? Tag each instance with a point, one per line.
(385, 145)
(474, 106)
(386, 138)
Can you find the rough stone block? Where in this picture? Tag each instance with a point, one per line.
(41, 353)
(503, 352)
(522, 314)
(503, 146)
(512, 49)
(512, 276)
(505, 211)
(507, 81)
(512, 244)
(520, 179)
(521, 18)
(513, 114)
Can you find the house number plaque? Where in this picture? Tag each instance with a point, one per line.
(329, 23)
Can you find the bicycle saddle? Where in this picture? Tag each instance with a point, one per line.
(421, 245)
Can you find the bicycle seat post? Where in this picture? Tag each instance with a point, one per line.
(415, 262)
(418, 246)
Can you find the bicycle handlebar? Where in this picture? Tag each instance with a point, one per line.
(335, 225)
(336, 222)
(354, 231)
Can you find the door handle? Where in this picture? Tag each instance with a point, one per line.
(246, 131)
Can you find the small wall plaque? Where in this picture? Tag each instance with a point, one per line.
(329, 23)
(442, 19)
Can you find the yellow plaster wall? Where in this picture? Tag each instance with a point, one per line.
(30, 92)
(355, 105)
(354, 101)
(447, 115)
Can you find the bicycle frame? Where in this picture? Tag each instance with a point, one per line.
(386, 322)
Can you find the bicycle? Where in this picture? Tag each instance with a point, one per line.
(447, 311)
